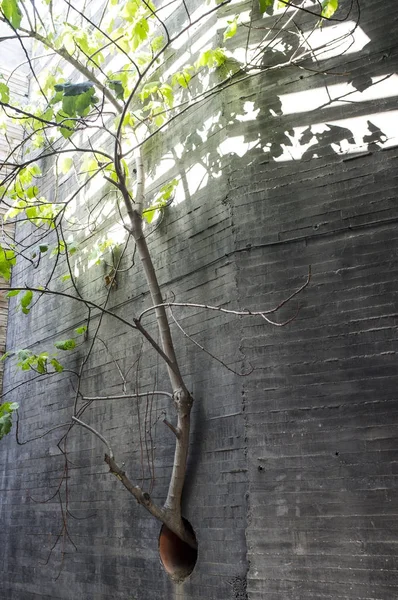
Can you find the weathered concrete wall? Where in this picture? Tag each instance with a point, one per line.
(292, 469)
(321, 407)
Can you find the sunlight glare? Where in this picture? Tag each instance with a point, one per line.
(347, 136)
(336, 40)
(236, 145)
(384, 86)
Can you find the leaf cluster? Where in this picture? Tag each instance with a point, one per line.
(26, 360)
(163, 199)
(7, 261)
(6, 412)
(12, 12)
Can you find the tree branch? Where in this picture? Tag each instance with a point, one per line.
(174, 523)
(78, 66)
(172, 428)
(126, 396)
(95, 432)
(239, 313)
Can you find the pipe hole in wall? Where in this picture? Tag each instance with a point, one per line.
(177, 557)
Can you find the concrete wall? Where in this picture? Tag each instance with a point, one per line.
(292, 469)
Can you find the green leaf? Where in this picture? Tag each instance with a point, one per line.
(48, 114)
(65, 345)
(81, 330)
(6, 411)
(158, 116)
(76, 100)
(148, 214)
(43, 248)
(211, 58)
(84, 102)
(329, 7)
(5, 425)
(41, 365)
(83, 41)
(72, 247)
(69, 42)
(166, 92)
(139, 33)
(182, 78)
(7, 261)
(12, 12)
(32, 212)
(157, 43)
(12, 293)
(35, 170)
(166, 193)
(4, 93)
(167, 190)
(117, 86)
(149, 89)
(26, 300)
(231, 29)
(56, 98)
(130, 10)
(65, 165)
(69, 105)
(32, 192)
(23, 355)
(265, 4)
(67, 128)
(128, 120)
(57, 366)
(60, 249)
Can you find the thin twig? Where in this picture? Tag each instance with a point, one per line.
(189, 337)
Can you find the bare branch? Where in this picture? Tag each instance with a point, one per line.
(172, 428)
(88, 303)
(162, 514)
(239, 313)
(95, 432)
(189, 337)
(127, 396)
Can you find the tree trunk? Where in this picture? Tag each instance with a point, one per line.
(170, 515)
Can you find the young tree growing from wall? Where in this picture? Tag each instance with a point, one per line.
(106, 79)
